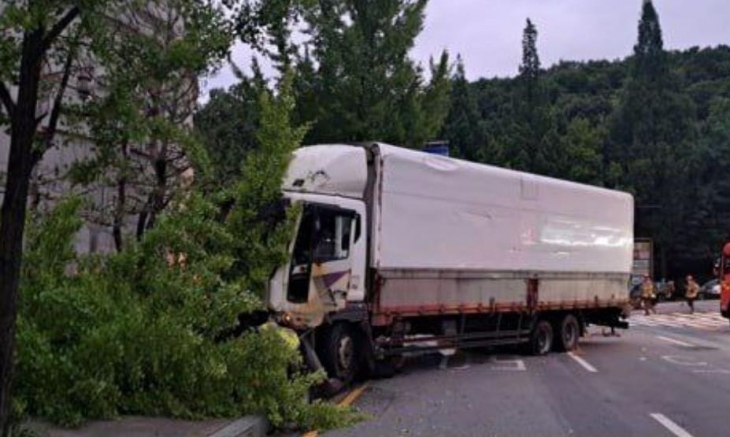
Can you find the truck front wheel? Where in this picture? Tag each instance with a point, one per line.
(339, 352)
(568, 334)
(542, 338)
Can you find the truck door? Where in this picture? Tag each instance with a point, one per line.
(321, 265)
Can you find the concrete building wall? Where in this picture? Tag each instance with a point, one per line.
(50, 178)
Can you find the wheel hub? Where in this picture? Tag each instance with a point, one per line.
(345, 352)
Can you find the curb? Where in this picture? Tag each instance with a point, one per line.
(247, 426)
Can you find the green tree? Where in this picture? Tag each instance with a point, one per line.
(530, 67)
(356, 80)
(706, 226)
(581, 149)
(528, 147)
(30, 32)
(652, 139)
(462, 126)
(139, 121)
(227, 125)
(148, 330)
(63, 38)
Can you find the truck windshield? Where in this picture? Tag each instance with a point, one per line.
(324, 235)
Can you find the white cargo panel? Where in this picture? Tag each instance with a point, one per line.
(440, 213)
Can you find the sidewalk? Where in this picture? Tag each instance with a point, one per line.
(248, 426)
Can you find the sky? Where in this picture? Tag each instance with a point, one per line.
(487, 33)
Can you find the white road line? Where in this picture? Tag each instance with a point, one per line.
(691, 321)
(678, 342)
(671, 426)
(701, 321)
(582, 362)
(720, 371)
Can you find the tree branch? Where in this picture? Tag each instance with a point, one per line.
(137, 152)
(59, 27)
(58, 100)
(7, 100)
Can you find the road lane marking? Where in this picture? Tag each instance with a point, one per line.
(677, 342)
(682, 361)
(702, 321)
(582, 362)
(671, 426)
(511, 365)
(353, 395)
(347, 401)
(720, 371)
(691, 320)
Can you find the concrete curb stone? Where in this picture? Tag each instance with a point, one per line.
(247, 426)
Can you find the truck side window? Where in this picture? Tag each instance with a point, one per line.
(332, 236)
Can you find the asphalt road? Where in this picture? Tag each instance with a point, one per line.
(668, 375)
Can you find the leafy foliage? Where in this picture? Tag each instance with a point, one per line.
(358, 83)
(463, 117)
(354, 80)
(652, 138)
(649, 124)
(227, 125)
(144, 331)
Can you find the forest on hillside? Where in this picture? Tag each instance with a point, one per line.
(591, 128)
(656, 124)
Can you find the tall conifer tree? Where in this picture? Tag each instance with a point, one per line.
(651, 140)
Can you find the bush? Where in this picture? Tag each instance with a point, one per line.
(129, 334)
(138, 332)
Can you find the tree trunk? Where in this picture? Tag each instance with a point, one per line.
(12, 215)
(120, 209)
(12, 223)
(119, 213)
(158, 193)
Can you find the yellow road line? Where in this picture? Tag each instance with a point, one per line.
(353, 395)
(348, 400)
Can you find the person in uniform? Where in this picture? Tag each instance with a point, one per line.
(722, 270)
(691, 293)
(647, 295)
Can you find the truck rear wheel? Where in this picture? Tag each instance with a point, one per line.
(339, 352)
(542, 338)
(568, 334)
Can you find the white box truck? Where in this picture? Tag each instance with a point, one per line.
(397, 248)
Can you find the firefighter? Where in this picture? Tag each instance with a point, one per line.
(723, 273)
(647, 295)
(691, 293)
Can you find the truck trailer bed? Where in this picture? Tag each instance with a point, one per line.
(450, 236)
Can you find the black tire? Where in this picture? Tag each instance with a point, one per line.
(568, 334)
(339, 352)
(541, 340)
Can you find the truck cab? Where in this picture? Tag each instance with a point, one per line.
(326, 267)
